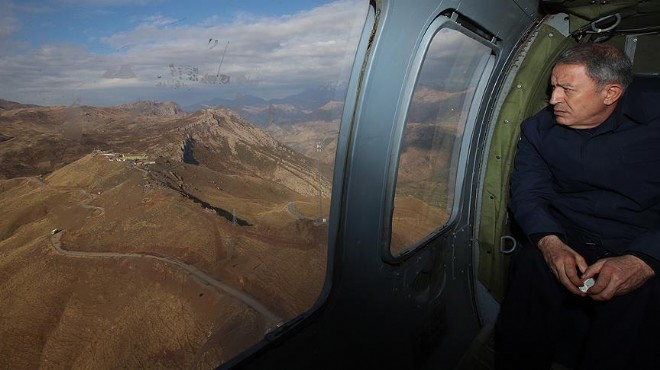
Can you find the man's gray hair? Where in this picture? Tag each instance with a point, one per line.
(605, 63)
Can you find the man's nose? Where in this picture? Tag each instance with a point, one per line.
(556, 97)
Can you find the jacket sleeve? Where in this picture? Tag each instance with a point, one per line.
(532, 184)
(643, 107)
(648, 244)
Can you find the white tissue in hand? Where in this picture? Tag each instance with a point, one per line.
(587, 284)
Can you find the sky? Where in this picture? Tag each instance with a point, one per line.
(107, 52)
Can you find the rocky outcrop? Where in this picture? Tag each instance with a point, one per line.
(224, 141)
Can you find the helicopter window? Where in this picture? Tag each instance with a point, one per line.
(165, 175)
(433, 132)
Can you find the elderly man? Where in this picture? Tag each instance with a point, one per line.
(585, 192)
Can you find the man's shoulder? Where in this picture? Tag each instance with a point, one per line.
(641, 99)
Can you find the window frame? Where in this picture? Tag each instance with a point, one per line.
(488, 64)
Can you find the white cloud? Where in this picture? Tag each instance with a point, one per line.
(290, 51)
(8, 26)
(10, 23)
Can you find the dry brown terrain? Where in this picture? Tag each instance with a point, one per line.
(304, 136)
(180, 257)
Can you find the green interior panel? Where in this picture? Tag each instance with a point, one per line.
(527, 96)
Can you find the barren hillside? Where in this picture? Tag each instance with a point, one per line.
(139, 236)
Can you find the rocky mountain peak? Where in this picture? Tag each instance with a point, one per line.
(153, 108)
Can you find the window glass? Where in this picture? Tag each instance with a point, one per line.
(165, 175)
(432, 137)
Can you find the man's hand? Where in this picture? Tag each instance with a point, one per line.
(564, 262)
(617, 276)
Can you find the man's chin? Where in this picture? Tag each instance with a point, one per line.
(564, 121)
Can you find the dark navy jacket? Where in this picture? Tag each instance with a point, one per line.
(605, 180)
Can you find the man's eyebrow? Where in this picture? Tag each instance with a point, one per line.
(562, 85)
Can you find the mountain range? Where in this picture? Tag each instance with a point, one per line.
(321, 103)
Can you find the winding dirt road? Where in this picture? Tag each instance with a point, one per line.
(271, 319)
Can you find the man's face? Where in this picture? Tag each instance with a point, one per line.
(575, 98)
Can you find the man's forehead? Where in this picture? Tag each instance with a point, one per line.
(570, 73)
(570, 68)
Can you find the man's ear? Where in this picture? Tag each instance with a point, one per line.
(613, 93)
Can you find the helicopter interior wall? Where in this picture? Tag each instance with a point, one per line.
(526, 95)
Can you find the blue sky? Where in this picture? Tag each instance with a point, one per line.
(85, 22)
(105, 52)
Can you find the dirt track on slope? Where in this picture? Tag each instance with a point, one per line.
(270, 318)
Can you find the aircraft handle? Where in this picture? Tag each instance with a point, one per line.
(508, 240)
